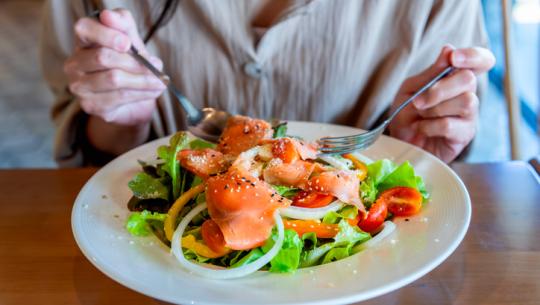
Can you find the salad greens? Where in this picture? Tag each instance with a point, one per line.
(286, 191)
(385, 174)
(171, 166)
(137, 223)
(280, 130)
(288, 258)
(326, 252)
(145, 186)
(158, 185)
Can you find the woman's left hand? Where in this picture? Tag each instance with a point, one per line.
(443, 119)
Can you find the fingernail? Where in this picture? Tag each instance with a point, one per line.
(458, 57)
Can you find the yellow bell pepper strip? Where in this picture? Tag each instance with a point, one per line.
(189, 242)
(359, 165)
(177, 206)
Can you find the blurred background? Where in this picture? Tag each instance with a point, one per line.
(27, 133)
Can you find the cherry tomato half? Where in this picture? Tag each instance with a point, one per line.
(212, 236)
(312, 200)
(402, 201)
(375, 217)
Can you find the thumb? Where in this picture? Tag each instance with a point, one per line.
(123, 21)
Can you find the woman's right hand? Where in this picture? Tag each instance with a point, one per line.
(108, 81)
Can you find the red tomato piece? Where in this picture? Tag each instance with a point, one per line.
(312, 200)
(375, 217)
(402, 201)
(212, 236)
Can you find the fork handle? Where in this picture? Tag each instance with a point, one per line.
(420, 91)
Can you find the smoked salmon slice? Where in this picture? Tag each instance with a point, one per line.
(203, 162)
(242, 133)
(294, 174)
(342, 184)
(243, 207)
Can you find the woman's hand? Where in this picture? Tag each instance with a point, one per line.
(110, 84)
(443, 119)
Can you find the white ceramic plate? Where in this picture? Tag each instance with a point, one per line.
(143, 264)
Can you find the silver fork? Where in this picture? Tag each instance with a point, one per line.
(205, 123)
(343, 145)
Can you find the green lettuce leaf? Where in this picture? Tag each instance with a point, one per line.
(403, 175)
(368, 191)
(201, 144)
(378, 170)
(341, 247)
(286, 191)
(280, 131)
(137, 223)
(349, 235)
(288, 258)
(348, 212)
(251, 256)
(171, 166)
(385, 174)
(312, 257)
(145, 186)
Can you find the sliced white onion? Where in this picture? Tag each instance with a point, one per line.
(389, 227)
(341, 163)
(361, 157)
(308, 213)
(221, 274)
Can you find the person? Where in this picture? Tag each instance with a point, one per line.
(345, 62)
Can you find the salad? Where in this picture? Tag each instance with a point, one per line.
(263, 200)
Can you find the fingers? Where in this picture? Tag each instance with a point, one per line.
(90, 32)
(114, 79)
(477, 59)
(99, 59)
(123, 21)
(100, 104)
(464, 106)
(129, 114)
(455, 130)
(456, 84)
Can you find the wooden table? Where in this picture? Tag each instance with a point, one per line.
(498, 262)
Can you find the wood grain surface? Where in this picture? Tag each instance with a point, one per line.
(497, 263)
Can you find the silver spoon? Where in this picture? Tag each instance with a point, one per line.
(206, 123)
